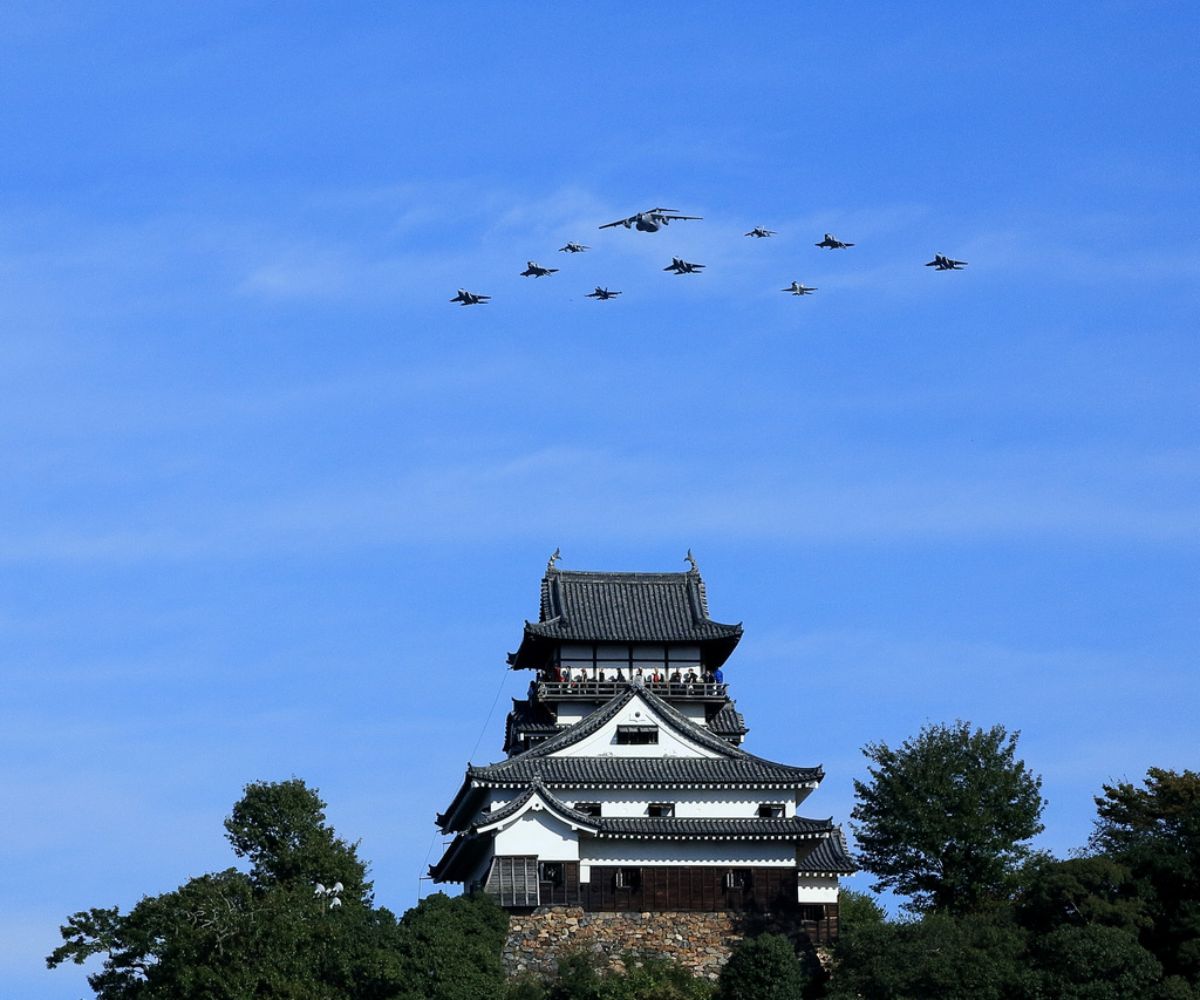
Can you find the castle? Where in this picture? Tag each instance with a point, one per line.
(625, 789)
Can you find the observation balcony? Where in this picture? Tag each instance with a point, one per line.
(604, 690)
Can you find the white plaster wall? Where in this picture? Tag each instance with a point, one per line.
(822, 889)
(636, 713)
(704, 803)
(537, 832)
(570, 712)
(744, 853)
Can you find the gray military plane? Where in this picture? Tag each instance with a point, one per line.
(533, 270)
(796, 288)
(465, 298)
(600, 294)
(680, 266)
(944, 263)
(651, 220)
(573, 248)
(759, 233)
(832, 243)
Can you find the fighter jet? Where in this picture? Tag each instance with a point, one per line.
(758, 232)
(533, 270)
(680, 266)
(832, 243)
(796, 288)
(573, 248)
(651, 220)
(465, 298)
(944, 263)
(601, 294)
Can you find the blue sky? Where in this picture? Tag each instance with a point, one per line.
(273, 507)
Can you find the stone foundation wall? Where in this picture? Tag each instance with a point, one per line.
(700, 941)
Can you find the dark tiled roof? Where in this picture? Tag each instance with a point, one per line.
(728, 721)
(532, 716)
(527, 717)
(711, 828)
(647, 771)
(831, 856)
(463, 854)
(626, 607)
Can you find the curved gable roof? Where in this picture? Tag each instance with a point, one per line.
(731, 765)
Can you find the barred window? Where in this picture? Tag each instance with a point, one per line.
(627, 878)
(737, 878)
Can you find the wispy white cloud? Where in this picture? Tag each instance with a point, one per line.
(626, 495)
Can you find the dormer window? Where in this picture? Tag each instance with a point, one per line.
(660, 809)
(588, 808)
(770, 810)
(637, 735)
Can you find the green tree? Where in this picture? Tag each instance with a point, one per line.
(1155, 833)
(1079, 892)
(944, 819)
(1094, 962)
(450, 948)
(762, 968)
(237, 935)
(586, 976)
(979, 956)
(858, 909)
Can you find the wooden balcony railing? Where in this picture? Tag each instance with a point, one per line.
(603, 690)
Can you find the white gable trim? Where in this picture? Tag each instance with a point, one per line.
(672, 741)
(536, 803)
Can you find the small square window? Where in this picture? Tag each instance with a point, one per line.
(660, 809)
(770, 810)
(550, 871)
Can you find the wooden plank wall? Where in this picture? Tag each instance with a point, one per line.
(688, 887)
(691, 887)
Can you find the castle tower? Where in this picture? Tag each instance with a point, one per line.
(625, 788)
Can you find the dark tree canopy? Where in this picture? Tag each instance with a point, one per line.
(1079, 892)
(762, 968)
(945, 818)
(452, 948)
(237, 935)
(939, 957)
(1154, 832)
(279, 827)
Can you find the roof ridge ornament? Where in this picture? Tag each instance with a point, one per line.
(689, 558)
(553, 559)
